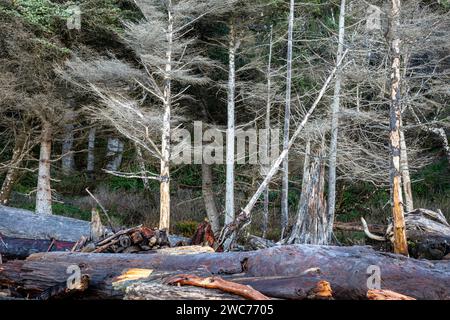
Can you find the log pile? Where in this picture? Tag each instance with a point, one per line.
(283, 272)
(132, 240)
(23, 233)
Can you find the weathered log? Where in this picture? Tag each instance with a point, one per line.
(24, 232)
(386, 295)
(17, 248)
(18, 223)
(218, 283)
(428, 234)
(276, 272)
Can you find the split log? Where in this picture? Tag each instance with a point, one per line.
(287, 272)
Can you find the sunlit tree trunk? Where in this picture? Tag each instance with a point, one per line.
(334, 127)
(287, 118)
(406, 179)
(229, 193)
(44, 191)
(164, 214)
(400, 244)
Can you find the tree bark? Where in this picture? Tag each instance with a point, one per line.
(287, 272)
(209, 198)
(267, 148)
(44, 191)
(400, 244)
(12, 175)
(230, 139)
(312, 223)
(287, 118)
(164, 190)
(406, 179)
(335, 126)
(90, 168)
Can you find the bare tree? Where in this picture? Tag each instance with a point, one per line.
(400, 244)
(287, 119)
(335, 125)
(168, 57)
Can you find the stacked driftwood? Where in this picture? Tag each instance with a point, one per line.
(131, 240)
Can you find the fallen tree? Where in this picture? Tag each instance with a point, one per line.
(286, 272)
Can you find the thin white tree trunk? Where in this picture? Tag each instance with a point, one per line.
(400, 244)
(209, 199)
(164, 214)
(335, 127)
(404, 166)
(91, 151)
(287, 118)
(268, 140)
(230, 140)
(44, 191)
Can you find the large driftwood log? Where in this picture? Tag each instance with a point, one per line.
(288, 272)
(24, 232)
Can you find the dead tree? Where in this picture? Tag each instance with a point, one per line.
(400, 244)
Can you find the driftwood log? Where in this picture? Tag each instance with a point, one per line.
(286, 272)
(427, 232)
(23, 232)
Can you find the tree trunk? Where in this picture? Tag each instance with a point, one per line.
(312, 223)
(67, 160)
(12, 175)
(230, 139)
(164, 190)
(90, 168)
(400, 244)
(209, 199)
(114, 154)
(268, 141)
(406, 179)
(287, 118)
(287, 272)
(44, 191)
(335, 126)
